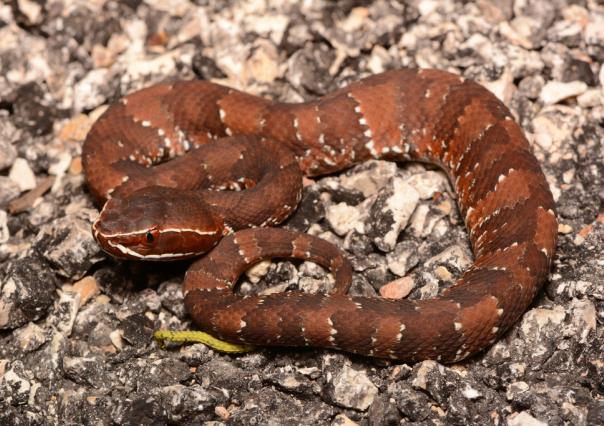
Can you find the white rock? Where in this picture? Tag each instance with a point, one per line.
(61, 164)
(428, 183)
(538, 319)
(156, 67)
(419, 221)
(343, 420)
(456, 255)
(594, 32)
(263, 65)
(22, 174)
(402, 258)
(425, 371)
(427, 7)
(401, 206)
(117, 338)
(88, 92)
(524, 419)
(554, 126)
(591, 98)
(481, 44)
(378, 59)
(256, 272)
(8, 153)
(4, 232)
(342, 217)
(431, 287)
(503, 87)
(353, 389)
(523, 62)
(31, 9)
(30, 337)
(272, 26)
(520, 31)
(6, 14)
(470, 393)
(583, 316)
(567, 31)
(517, 387)
(373, 176)
(173, 7)
(18, 385)
(555, 91)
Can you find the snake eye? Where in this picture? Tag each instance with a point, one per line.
(150, 237)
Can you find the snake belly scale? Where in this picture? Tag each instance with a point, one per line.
(157, 209)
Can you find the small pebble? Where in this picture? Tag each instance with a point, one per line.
(22, 175)
(555, 91)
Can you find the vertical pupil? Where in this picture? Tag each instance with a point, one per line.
(149, 237)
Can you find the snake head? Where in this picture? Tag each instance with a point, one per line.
(157, 223)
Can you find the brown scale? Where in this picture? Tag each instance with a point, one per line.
(426, 115)
(338, 123)
(412, 119)
(454, 103)
(279, 125)
(192, 106)
(508, 192)
(470, 129)
(243, 112)
(381, 114)
(308, 131)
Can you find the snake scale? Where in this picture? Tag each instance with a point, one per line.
(236, 163)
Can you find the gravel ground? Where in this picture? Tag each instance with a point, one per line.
(76, 326)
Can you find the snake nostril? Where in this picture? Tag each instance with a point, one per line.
(150, 237)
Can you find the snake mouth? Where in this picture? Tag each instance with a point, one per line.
(129, 253)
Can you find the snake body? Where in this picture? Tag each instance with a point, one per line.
(422, 115)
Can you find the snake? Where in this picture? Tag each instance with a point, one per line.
(191, 169)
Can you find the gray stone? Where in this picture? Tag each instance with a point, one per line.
(26, 292)
(68, 244)
(553, 92)
(351, 388)
(391, 213)
(403, 258)
(22, 174)
(9, 190)
(8, 153)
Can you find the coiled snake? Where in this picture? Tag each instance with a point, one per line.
(156, 209)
